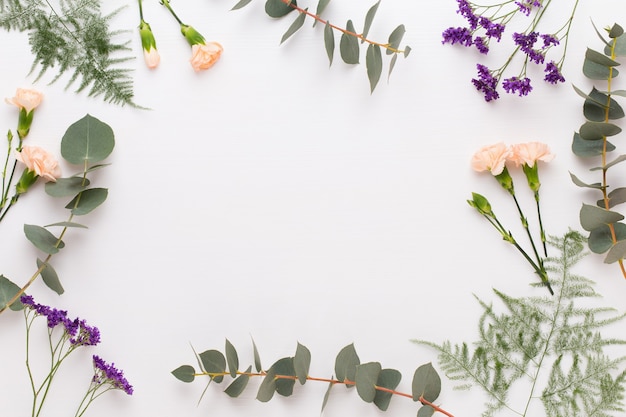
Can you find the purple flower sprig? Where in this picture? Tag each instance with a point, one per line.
(486, 23)
(65, 335)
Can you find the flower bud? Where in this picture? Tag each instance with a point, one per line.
(481, 204)
(532, 176)
(505, 180)
(193, 36)
(27, 179)
(27, 101)
(148, 43)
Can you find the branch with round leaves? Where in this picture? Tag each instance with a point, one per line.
(349, 47)
(607, 232)
(373, 383)
(86, 143)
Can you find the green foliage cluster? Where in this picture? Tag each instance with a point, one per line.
(551, 340)
(349, 47)
(73, 38)
(607, 232)
(373, 383)
(86, 143)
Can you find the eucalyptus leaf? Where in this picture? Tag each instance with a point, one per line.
(232, 359)
(321, 6)
(595, 107)
(240, 4)
(615, 161)
(426, 383)
(407, 51)
(87, 201)
(425, 411)
(374, 65)
(295, 26)
(579, 183)
(349, 45)
(617, 196)
(600, 58)
(184, 373)
(87, 141)
(592, 217)
(8, 289)
(267, 388)
(284, 367)
(67, 224)
(616, 253)
(329, 42)
(620, 46)
(278, 8)
(369, 18)
(65, 187)
(365, 380)
(43, 239)
(392, 65)
(395, 38)
(213, 362)
(390, 379)
(601, 239)
(50, 277)
(302, 363)
(598, 130)
(326, 396)
(257, 357)
(345, 364)
(239, 384)
(621, 93)
(596, 71)
(616, 31)
(588, 148)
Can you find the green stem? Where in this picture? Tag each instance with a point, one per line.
(140, 10)
(541, 229)
(166, 3)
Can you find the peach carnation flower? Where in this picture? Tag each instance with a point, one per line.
(26, 99)
(491, 158)
(529, 153)
(204, 56)
(40, 161)
(152, 58)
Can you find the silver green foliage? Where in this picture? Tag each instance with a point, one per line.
(607, 232)
(74, 37)
(373, 383)
(548, 348)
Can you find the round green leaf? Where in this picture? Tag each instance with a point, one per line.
(302, 362)
(616, 253)
(426, 383)
(239, 384)
(425, 411)
(390, 379)
(598, 130)
(284, 366)
(8, 289)
(267, 388)
(592, 217)
(65, 187)
(365, 379)
(87, 141)
(43, 239)
(185, 373)
(395, 38)
(278, 8)
(213, 362)
(345, 364)
(87, 201)
(587, 148)
(50, 277)
(349, 45)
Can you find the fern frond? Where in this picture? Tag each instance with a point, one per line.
(74, 39)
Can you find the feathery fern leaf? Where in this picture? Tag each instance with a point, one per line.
(73, 37)
(541, 339)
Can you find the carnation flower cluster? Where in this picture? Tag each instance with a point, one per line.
(487, 24)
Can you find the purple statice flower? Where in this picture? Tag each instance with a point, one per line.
(109, 374)
(486, 83)
(549, 40)
(553, 74)
(465, 10)
(526, 6)
(515, 84)
(492, 30)
(85, 335)
(526, 43)
(459, 35)
(54, 316)
(479, 42)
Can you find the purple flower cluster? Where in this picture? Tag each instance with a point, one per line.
(465, 36)
(486, 83)
(526, 6)
(553, 74)
(526, 43)
(515, 84)
(109, 374)
(78, 331)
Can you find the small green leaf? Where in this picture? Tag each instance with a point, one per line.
(616, 253)
(284, 367)
(326, 396)
(239, 384)
(257, 357)
(345, 364)
(579, 183)
(395, 38)
(617, 196)
(50, 277)
(598, 130)
(616, 31)
(596, 71)
(620, 45)
(615, 161)
(65, 187)
(349, 45)
(369, 18)
(595, 107)
(87, 201)
(8, 289)
(213, 362)
(321, 6)
(295, 26)
(87, 141)
(67, 224)
(241, 4)
(425, 411)
(231, 358)
(392, 65)
(267, 388)
(302, 363)
(588, 148)
(329, 42)
(185, 373)
(374, 65)
(592, 217)
(600, 58)
(390, 379)
(43, 239)
(278, 8)
(407, 51)
(365, 379)
(426, 383)
(601, 239)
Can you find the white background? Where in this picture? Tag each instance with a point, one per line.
(274, 197)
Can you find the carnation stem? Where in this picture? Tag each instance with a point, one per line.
(166, 3)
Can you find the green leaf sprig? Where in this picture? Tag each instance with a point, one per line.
(607, 232)
(549, 348)
(373, 383)
(74, 38)
(349, 47)
(86, 143)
